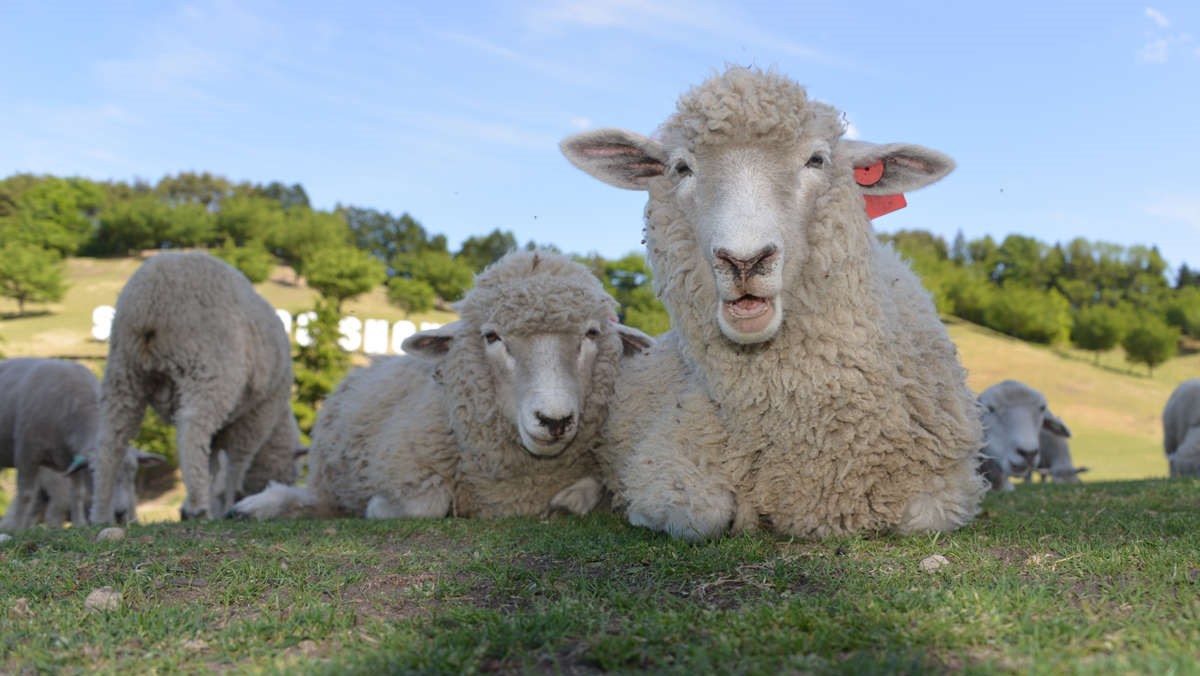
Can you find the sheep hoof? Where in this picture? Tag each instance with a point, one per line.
(696, 521)
(186, 514)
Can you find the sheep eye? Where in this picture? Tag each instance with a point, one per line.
(682, 169)
(592, 334)
(1042, 408)
(815, 162)
(991, 409)
(491, 337)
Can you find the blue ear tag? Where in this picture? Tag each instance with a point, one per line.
(77, 462)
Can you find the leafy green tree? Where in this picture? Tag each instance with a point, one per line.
(1183, 279)
(1098, 328)
(449, 277)
(189, 187)
(31, 274)
(386, 236)
(247, 217)
(342, 273)
(1150, 342)
(303, 233)
(320, 365)
(52, 212)
(252, 258)
(1029, 314)
(410, 295)
(629, 280)
(148, 222)
(1183, 311)
(480, 252)
(288, 196)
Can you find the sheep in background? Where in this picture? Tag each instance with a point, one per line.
(50, 420)
(496, 414)
(1054, 453)
(1181, 429)
(192, 338)
(1016, 424)
(808, 383)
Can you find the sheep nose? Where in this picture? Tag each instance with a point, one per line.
(744, 267)
(1029, 456)
(556, 426)
(119, 515)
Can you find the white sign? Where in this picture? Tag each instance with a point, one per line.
(369, 336)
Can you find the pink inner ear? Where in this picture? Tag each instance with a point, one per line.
(610, 150)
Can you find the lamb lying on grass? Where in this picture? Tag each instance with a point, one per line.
(1022, 435)
(194, 340)
(807, 383)
(1181, 429)
(496, 414)
(49, 422)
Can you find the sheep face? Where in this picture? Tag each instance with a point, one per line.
(1013, 417)
(124, 495)
(749, 164)
(539, 381)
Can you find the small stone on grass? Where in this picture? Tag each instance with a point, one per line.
(934, 562)
(111, 534)
(103, 599)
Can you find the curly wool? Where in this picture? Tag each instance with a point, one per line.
(855, 416)
(404, 424)
(193, 339)
(1181, 429)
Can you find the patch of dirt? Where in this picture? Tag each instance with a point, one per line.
(393, 597)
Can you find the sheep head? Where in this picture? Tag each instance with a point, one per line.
(748, 163)
(538, 337)
(1014, 415)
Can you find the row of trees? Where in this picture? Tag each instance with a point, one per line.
(1096, 295)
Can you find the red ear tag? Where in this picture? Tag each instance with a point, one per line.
(878, 205)
(869, 175)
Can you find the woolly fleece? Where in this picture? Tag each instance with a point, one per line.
(193, 339)
(1181, 429)
(854, 417)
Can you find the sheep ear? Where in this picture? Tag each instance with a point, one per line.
(633, 341)
(1052, 423)
(619, 158)
(904, 166)
(432, 344)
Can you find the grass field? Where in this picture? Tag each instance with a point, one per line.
(1099, 578)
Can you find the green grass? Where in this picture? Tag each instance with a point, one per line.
(1099, 578)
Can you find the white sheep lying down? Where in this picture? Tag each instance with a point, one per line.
(1181, 429)
(1022, 435)
(193, 339)
(49, 422)
(807, 383)
(496, 414)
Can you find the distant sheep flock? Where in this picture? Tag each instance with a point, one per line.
(807, 385)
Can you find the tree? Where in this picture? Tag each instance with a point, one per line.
(1151, 342)
(628, 279)
(189, 187)
(52, 212)
(148, 222)
(386, 236)
(319, 365)
(252, 259)
(480, 252)
(410, 295)
(342, 273)
(1098, 328)
(288, 196)
(1183, 279)
(245, 217)
(1029, 314)
(303, 233)
(449, 277)
(1183, 311)
(30, 274)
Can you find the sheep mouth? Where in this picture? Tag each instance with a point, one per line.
(749, 318)
(545, 447)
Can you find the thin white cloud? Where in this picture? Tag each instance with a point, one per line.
(1177, 209)
(551, 69)
(669, 21)
(852, 132)
(1157, 17)
(1154, 51)
(580, 122)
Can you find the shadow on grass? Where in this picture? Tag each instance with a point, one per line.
(28, 314)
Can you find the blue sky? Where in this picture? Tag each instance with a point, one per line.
(1066, 119)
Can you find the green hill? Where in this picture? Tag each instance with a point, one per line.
(1112, 408)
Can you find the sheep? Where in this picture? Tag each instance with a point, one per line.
(56, 500)
(192, 338)
(1022, 435)
(1181, 429)
(492, 415)
(49, 423)
(807, 383)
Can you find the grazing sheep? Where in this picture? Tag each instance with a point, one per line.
(807, 384)
(56, 500)
(49, 422)
(192, 338)
(1054, 453)
(495, 414)
(1181, 429)
(1018, 428)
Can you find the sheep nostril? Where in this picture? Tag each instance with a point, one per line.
(557, 427)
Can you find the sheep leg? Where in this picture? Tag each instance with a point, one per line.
(27, 491)
(948, 501)
(1185, 461)
(242, 440)
(122, 406)
(580, 497)
(194, 430)
(429, 499)
(668, 492)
